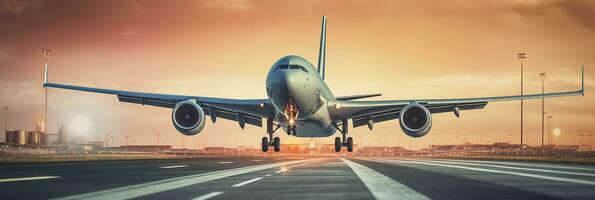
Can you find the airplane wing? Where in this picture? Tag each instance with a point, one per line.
(252, 110)
(361, 112)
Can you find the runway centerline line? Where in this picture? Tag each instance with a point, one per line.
(246, 182)
(208, 196)
(173, 166)
(568, 180)
(381, 186)
(226, 162)
(139, 190)
(27, 178)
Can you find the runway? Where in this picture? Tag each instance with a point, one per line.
(299, 178)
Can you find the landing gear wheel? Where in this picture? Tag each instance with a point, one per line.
(277, 144)
(265, 144)
(338, 144)
(349, 144)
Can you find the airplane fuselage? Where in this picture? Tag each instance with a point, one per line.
(300, 97)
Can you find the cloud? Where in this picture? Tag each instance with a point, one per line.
(17, 7)
(4, 53)
(579, 12)
(229, 4)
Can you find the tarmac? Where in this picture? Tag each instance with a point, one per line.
(298, 178)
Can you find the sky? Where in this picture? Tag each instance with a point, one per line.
(402, 49)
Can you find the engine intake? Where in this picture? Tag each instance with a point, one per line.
(188, 117)
(415, 120)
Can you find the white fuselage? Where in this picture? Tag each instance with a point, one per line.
(293, 80)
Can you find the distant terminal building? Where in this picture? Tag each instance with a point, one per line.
(140, 148)
(26, 138)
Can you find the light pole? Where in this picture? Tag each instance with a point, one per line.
(58, 113)
(112, 140)
(542, 75)
(549, 134)
(46, 53)
(5, 110)
(521, 56)
(157, 136)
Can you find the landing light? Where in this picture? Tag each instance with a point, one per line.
(291, 121)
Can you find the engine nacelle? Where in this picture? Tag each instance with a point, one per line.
(415, 120)
(188, 117)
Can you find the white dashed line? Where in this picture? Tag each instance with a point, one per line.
(268, 175)
(281, 170)
(552, 178)
(226, 162)
(174, 166)
(246, 182)
(27, 178)
(381, 186)
(208, 196)
(256, 160)
(144, 189)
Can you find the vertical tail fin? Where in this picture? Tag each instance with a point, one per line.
(583, 80)
(322, 51)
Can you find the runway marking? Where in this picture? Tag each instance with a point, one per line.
(381, 186)
(510, 167)
(208, 196)
(226, 162)
(525, 164)
(27, 178)
(281, 170)
(256, 160)
(246, 182)
(568, 180)
(139, 190)
(174, 166)
(268, 175)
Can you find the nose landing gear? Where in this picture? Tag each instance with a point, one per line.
(270, 141)
(343, 141)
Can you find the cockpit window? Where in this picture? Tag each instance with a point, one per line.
(303, 69)
(293, 67)
(298, 67)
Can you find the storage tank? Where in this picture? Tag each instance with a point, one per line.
(21, 137)
(34, 138)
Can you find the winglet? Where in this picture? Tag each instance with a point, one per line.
(45, 75)
(583, 80)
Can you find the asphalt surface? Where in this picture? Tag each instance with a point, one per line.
(299, 178)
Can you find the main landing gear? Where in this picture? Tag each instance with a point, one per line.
(343, 141)
(270, 141)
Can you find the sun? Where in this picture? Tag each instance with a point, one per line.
(80, 124)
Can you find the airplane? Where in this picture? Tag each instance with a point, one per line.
(302, 105)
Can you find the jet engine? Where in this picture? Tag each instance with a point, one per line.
(415, 120)
(188, 117)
